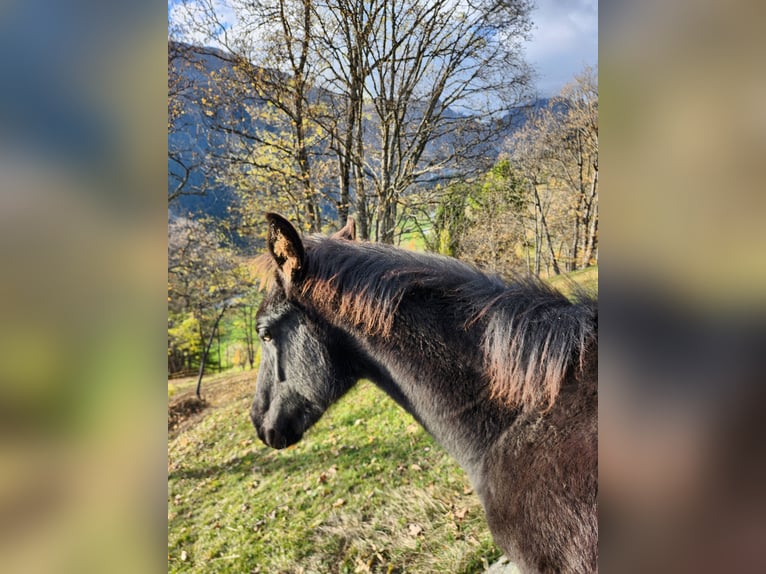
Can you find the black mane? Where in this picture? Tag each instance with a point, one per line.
(532, 335)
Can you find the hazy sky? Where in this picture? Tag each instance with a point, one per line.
(564, 40)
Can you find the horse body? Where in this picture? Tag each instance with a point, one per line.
(425, 329)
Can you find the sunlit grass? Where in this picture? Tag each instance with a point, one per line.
(586, 278)
(367, 490)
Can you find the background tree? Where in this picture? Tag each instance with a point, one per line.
(399, 92)
(495, 239)
(246, 309)
(483, 221)
(348, 28)
(204, 281)
(192, 170)
(182, 159)
(418, 62)
(525, 212)
(557, 154)
(260, 98)
(531, 157)
(578, 164)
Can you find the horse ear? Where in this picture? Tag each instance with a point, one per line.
(348, 232)
(286, 248)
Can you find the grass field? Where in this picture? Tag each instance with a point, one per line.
(366, 490)
(586, 278)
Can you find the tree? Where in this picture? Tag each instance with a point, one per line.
(182, 160)
(451, 221)
(204, 281)
(531, 153)
(579, 164)
(247, 307)
(557, 153)
(347, 29)
(483, 221)
(195, 158)
(183, 341)
(260, 99)
(400, 92)
(415, 62)
(240, 356)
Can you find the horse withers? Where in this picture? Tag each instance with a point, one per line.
(503, 375)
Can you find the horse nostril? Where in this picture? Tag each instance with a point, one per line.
(271, 438)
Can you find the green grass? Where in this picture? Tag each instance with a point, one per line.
(366, 490)
(586, 278)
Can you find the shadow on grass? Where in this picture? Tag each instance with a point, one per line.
(265, 461)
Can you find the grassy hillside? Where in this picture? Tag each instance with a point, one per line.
(586, 278)
(365, 491)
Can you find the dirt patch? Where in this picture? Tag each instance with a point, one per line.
(184, 409)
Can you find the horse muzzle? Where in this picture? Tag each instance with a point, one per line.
(275, 436)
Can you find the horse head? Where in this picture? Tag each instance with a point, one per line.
(305, 363)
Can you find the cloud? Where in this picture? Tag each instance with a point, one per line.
(564, 40)
(194, 22)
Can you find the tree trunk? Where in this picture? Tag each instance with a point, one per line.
(363, 225)
(544, 227)
(218, 339)
(347, 145)
(591, 246)
(538, 239)
(388, 217)
(203, 359)
(574, 262)
(247, 312)
(344, 201)
(575, 246)
(590, 242)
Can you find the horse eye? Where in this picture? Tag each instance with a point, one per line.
(265, 336)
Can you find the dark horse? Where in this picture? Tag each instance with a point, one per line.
(504, 376)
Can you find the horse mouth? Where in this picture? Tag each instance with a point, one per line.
(279, 440)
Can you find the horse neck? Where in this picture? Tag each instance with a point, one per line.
(432, 367)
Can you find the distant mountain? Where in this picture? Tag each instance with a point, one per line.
(192, 138)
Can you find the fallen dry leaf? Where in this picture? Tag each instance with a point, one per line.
(414, 529)
(184, 555)
(338, 503)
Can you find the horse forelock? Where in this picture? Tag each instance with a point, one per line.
(264, 271)
(531, 336)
